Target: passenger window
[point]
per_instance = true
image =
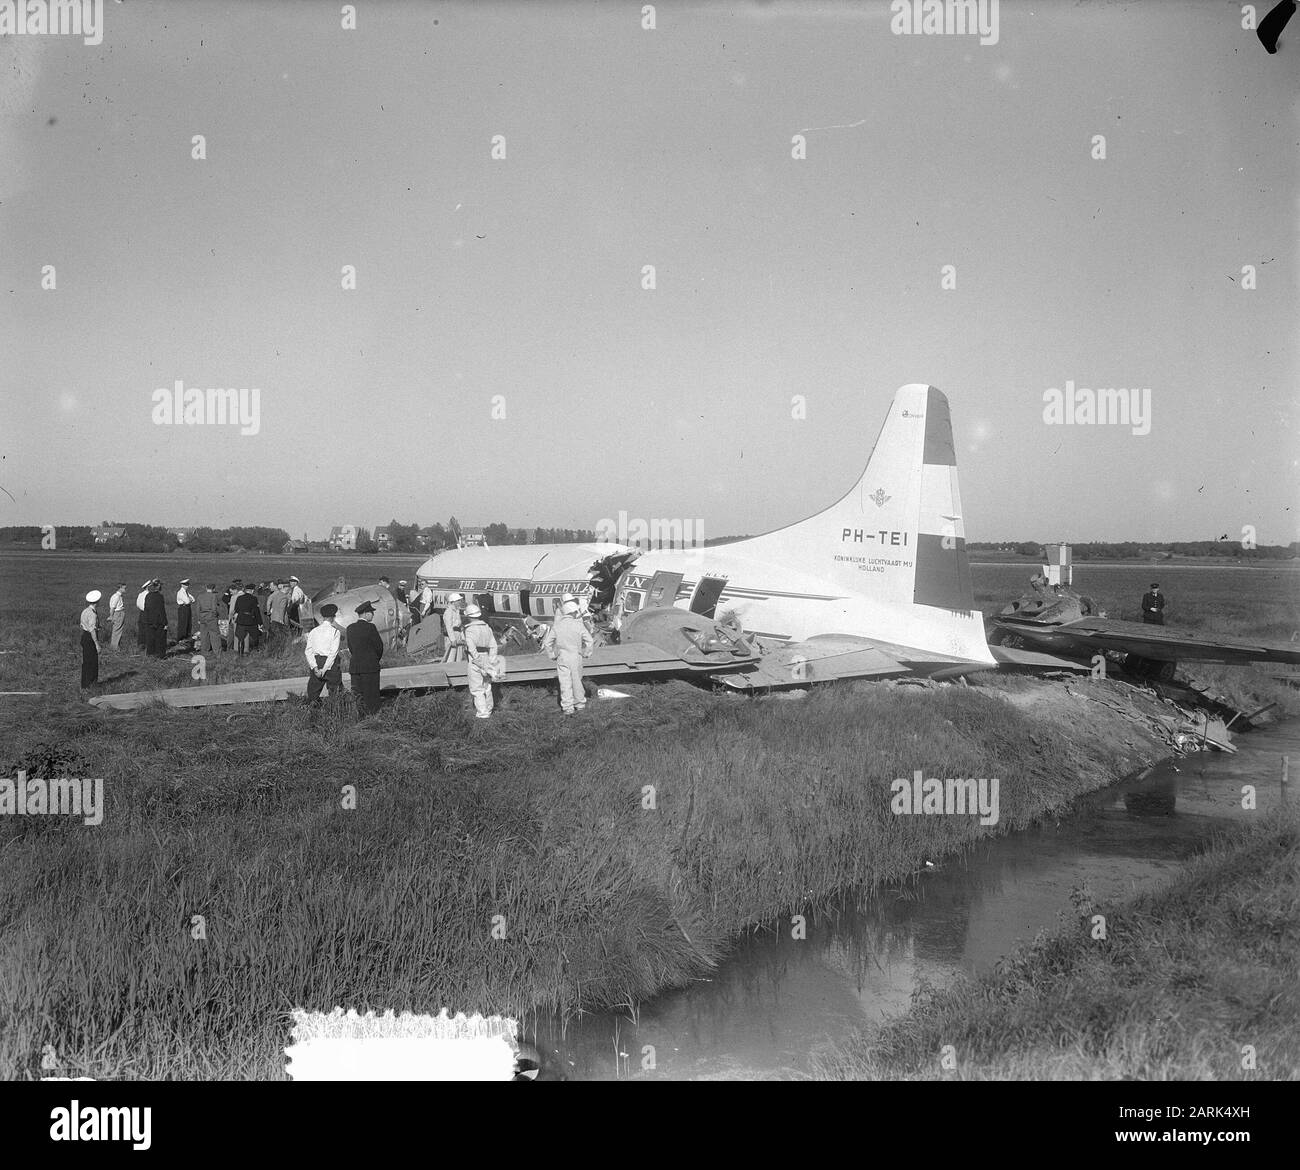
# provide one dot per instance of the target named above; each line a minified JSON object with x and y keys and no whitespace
{"x":632,"y":600}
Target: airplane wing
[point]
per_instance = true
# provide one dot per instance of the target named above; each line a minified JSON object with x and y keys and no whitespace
{"x":684,"y":643}
{"x":831,"y":656}
{"x":1160,"y":643}
{"x":1007,"y":656}
{"x":818,"y":659}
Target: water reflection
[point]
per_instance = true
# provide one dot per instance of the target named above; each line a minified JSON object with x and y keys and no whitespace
{"x":778,"y":1000}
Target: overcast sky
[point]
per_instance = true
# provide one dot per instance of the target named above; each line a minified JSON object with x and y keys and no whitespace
{"x":522,"y":277}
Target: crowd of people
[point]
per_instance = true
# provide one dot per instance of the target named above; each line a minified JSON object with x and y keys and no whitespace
{"x":240,"y":617}
{"x":247,"y":617}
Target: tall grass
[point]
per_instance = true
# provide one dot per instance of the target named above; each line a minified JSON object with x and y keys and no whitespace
{"x":1198,"y":979}
{"x":760,"y":809}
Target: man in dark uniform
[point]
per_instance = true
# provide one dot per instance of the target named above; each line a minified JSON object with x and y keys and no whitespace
{"x":1153,"y":607}
{"x":366,"y":648}
{"x":247,"y":617}
{"x":155,"y":621}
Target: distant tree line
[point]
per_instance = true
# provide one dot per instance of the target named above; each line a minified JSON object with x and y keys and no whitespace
{"x":1131,"y":550}
{"x":209,"y":540}
{"x":407,"y":538}
{"x":150,"y":538}
{"x":553,"y":536}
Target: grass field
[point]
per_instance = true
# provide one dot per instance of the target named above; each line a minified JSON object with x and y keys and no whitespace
{"x":1198,"y":979}
{"x":531,"y":825}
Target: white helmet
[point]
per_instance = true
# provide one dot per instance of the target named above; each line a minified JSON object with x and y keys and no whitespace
{"x":473,"y":611}
{"x":455,"y":597}
{"x":567,"y":598}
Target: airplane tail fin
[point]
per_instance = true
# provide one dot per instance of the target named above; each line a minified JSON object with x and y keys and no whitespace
{"x":910,"y":486}
{"x":897,"y":538}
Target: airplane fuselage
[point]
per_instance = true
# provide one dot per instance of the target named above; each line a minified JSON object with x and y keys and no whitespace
{"x":785,"y":605}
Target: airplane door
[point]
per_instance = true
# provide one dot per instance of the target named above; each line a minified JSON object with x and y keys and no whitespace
{"x":705,"y":599}
{"x":663,"y":588}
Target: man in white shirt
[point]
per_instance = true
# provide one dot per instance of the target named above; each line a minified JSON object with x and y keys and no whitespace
{"x":139,"y":605}
{"x":89,"y":645}
{"x":296,"y":598}
{"x":184,"y":611}
{"x":322,"y":655}
{"x":117,"y":614}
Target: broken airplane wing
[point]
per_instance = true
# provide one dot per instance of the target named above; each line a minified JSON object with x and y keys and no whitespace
{"x":689,"y":645}
{"x":1157,"y":643}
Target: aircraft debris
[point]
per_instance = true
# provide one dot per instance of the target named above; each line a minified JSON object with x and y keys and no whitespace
{"x":1053,"y":617}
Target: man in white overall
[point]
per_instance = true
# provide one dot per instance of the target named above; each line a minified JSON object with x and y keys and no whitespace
{"x":481,"y":646}
{"x":568,"y":642}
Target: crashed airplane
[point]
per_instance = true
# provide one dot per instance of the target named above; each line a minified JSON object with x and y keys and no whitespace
{"x":877,"y":584}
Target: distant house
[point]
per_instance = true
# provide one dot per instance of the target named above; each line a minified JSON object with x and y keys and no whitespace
{"x":426,"y":540}
{"x":472,"y":538}
{"x":343,"y":538}
{"x":104,"y":535}
{"x":290,"y":547}
{"x":181,"y":533}
{"x":383,"y":538}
